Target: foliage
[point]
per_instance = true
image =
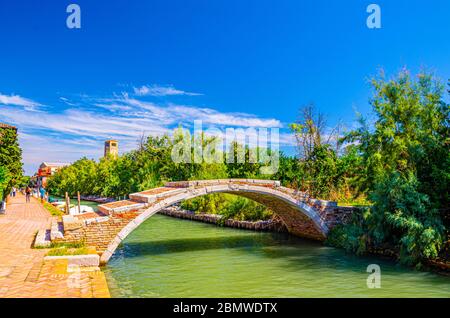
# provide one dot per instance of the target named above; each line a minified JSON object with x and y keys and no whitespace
{"x":76,"y":248}
{"x":241,"y":163}
{"x":290,"y":172}
{"x":243,"y":209}
{"x":150,"y":166}
{"x":54,"y":211}
{"x":23,"y":181}
{"x":353,"y":236}
{"x":5,"y":177}
{"x":322,"y":169}
{"x":405,"y":166}
{"x":10,"y":159}
{"x":230,"y":206}
{"x":74,"y":245}
{"x":147,"y":167}
{"x":64,"y":251}
{"x":404,"y":216}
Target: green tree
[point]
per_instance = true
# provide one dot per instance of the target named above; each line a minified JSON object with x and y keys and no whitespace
{"x":238,"y":163}
{"x":229,"y":206}
{"x":407,"y":164}
{"x":290,"y":172}
{"x":323,"y":169}
{"x":10,"y":156}
{"x":5,"y":177}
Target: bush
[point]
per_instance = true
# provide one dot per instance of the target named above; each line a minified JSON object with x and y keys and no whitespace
{"x":351,"y":237}
{"x":404,"y":217}
{"x":63,"y":251}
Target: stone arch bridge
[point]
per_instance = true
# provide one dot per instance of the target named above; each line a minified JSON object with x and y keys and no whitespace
{"x":302,"y":215}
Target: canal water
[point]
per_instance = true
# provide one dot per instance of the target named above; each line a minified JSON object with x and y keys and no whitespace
{"x":168,"y":257}
{"x":75,"y":202}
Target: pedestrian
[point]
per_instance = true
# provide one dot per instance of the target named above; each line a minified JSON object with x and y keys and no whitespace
{"x":14,"y":190}
{"x":42,"y":193}
{"x":27,"y":194}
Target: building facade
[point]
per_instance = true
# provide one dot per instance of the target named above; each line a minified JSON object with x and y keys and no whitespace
{"x":47,"y":169}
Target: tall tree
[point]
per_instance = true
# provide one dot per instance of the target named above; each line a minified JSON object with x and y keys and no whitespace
{"x":318,"y":150}
{"x":5,"y":177}
{"x":407,"y":157}
{"x":10,"y":156}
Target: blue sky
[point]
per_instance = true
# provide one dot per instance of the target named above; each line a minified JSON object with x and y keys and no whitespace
{"x":148,"y":66}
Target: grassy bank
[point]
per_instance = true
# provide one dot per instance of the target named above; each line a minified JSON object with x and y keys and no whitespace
{"x":52,"y":209}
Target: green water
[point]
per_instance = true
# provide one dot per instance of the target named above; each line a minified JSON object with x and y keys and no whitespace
{"x":167,"y":257}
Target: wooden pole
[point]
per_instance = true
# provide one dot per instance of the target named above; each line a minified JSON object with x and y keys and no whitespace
{"x":67,"y":204}
{"x":79,"y":202}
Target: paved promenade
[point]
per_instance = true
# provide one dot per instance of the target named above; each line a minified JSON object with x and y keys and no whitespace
{"x":23,"y":271}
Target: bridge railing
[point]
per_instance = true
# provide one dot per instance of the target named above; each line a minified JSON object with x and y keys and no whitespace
{"x":197,"y":183}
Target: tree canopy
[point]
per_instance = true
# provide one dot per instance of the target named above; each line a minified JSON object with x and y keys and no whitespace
{"x":405,"y":166}
{"x":10,"y":160}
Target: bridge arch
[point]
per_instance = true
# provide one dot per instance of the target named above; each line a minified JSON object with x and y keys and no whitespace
{"x":301,"y":216}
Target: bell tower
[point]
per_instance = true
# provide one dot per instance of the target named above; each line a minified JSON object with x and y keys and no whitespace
{"x":112,"y":148}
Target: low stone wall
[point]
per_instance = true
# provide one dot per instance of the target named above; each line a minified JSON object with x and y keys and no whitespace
{"x":339,"y":215}
{"x":268,"y":226}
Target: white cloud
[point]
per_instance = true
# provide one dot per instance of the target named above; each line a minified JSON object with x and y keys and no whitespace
{"x":67,"y":101}
{"x":16,"y":100}
{"x":175,"y":114}
{"x":80,"y":131}
{"x":85,"y":123}
{"x":157,"y":90}
{"x":287,"y":139}
{"x":211,"y":116}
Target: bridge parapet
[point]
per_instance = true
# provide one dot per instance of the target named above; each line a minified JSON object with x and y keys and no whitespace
{"x":204,"y":183}
{"x":121,"y":206}
{"x":172,"y":191}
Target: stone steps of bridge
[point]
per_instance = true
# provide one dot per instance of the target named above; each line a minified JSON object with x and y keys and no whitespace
{"x":155,"y":195}
{"x":121,"y":206}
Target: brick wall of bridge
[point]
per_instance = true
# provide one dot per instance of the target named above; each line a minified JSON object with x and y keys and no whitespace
{"x":98,"y":234}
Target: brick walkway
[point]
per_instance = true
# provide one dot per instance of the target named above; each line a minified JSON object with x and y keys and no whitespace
{"x":23,"y":272}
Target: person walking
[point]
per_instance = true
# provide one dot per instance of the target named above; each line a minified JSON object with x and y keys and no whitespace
{"x":13,"y":192}
{"x":27,"y":194}
{"x":42,"y":193}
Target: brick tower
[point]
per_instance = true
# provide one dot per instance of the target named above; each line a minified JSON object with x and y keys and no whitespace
{"x":111,"y":148}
